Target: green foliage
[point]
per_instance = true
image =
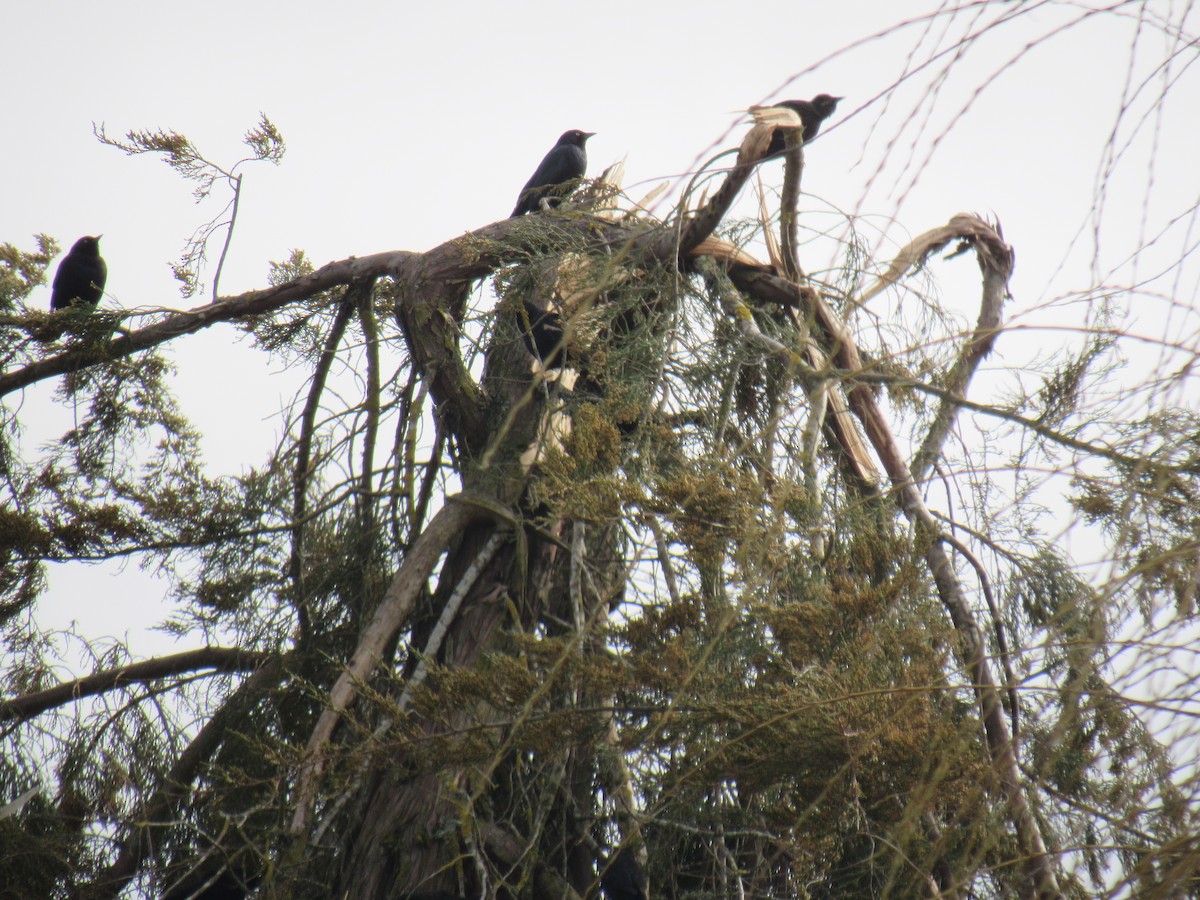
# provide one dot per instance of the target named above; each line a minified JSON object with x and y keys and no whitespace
{"x":21,"y":272}
{"x":181,"y":154}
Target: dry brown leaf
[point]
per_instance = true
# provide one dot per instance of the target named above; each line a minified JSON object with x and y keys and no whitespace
{"x":724,"y":251}
{"x":764,"y":217}
{"x":657,"y":191}
{"x":755,"y":144}
{"x":581,"y":278}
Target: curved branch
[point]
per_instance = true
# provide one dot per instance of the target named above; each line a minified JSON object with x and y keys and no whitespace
{"x":793,"y":168}
{"x":996,"y":261}
{"x":220,"y":659}
{"x":393,"y":611}
{"x":174,"y":786}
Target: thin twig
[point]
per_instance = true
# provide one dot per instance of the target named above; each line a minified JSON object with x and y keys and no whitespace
{"x":1010,"y":679}
{"x":236,"y":181}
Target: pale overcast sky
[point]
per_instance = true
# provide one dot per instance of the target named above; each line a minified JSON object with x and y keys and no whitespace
{"x":408,"y":124}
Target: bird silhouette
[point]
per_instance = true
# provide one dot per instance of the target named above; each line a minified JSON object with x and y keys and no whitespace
{"x":79,"y":280}
{"x":80,"y":277}
{"x":811,"y":112}
{"x":557,"y":173}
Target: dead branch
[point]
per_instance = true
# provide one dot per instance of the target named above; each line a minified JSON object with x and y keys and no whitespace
{"x":789,"y":201}
{"x":912,"y":255}
{"x":227,"y":309}
{"x":706,"y":219}
{"x":996,"y":260}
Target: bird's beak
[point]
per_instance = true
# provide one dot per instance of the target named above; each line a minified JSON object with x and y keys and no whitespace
{"x":588,"y":134}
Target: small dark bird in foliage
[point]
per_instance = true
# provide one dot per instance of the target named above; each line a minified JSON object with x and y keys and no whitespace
{"x":555,"y":176}
{"x":79,"y":281}
{"x":623,"y":877}
{"x":811,"y":112}
{"x":543,"y":335}
{"x":80,"y":277}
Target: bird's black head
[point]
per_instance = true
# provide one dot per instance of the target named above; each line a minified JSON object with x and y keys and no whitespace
{"x":576,"y":137}
{"x":87,"y":246}
{"x":825,"y":104}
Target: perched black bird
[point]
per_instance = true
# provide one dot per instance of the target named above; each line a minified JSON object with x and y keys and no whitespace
{"x":80,"y":277}
{"x":811,"y":112}
{"x":566,"y":162}
{"x":622,"y":877}
{"x":79,"y":281}
{"x":543,"y":335}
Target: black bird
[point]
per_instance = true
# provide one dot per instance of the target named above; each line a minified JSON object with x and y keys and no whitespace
{"x":79,"y":281}
{"x":80,"y":277}
{"x":543,"y":334}
{"x":555,"y":176}
{"x":622,"y":877}
{"x":811,"y":112}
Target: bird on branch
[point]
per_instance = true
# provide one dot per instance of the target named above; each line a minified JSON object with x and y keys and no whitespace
{"x":811,"y":112}
{"x":79,"y":281}
{"x":81,"y":276}
{"x":557,"y":174}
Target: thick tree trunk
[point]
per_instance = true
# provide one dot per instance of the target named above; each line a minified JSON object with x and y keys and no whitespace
{"x":408,"y":829}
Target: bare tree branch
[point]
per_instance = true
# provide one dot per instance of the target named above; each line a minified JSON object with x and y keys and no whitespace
{"x":393,"y":611}
{"x":793,"y":168}
{"x":302,"y":469}
{"x":996,"y":262}
{"x":220,"y":659}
